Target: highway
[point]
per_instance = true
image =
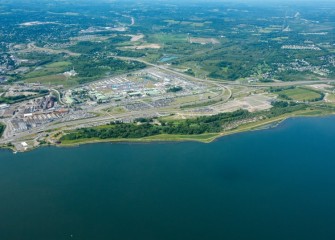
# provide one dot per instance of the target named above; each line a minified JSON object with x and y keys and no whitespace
{"x":224,"y":83}
{"x":104,"y":117}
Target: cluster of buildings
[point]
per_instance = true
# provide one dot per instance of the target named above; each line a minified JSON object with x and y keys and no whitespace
{"x":35,"y":113}
{"x":8,"y":63}
{"x":301,"y":65}
{"x":33,"y":120}
{"x":299,"y":47}
{"x":145,"y":83}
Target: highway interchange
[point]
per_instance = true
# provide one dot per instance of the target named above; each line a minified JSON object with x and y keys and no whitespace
{"x":103,"y":117}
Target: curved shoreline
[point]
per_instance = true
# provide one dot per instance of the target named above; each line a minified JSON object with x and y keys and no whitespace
{"x":204,"y":138}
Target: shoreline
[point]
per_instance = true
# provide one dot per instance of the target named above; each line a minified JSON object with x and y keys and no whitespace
{"x":203,"y":138}
{"x":249,"y":127}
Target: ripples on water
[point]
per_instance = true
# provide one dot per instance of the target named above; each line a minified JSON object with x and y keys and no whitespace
{"x":270,"y":184}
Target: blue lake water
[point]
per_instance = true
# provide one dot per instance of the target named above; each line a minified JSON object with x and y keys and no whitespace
{"x":168,"y":58}
{"x":269,"y":184}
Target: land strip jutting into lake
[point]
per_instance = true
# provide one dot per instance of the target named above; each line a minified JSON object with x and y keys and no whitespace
{"x":205,"y":128}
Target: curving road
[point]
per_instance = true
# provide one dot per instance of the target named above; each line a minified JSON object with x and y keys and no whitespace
{"x":224,"y":83}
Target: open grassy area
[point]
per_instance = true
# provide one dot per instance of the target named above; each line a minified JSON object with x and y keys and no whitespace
{"x":162,"y":137}
{"x":330,"y":97}
{"x":49,"y":69}
{"x":192,"y":24}
{"x":166,"y":137}
{"x":51,"y":74}
{"x":167,"y":38}
{"x":58,"y":65}
{"x":300,"y":94}
{"x":53,"y":80}
{"x":196,"y":99}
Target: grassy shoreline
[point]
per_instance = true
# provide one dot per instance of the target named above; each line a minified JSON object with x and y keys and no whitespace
{"x":203,"y":138}
{"x":208,"y":137}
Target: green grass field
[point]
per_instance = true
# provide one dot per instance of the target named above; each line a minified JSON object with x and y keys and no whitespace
{"x":53,"y":80}
{"x":166,"y":137}
{"x":330,"y":98}
{"x":208,"y":137}
{"x":300,"y":94}
{"x":167,"y":38}
{"x":49,"y":69}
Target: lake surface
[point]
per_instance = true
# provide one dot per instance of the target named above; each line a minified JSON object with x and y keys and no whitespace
{"x":167,"y":58}
{"x":269,"y":184}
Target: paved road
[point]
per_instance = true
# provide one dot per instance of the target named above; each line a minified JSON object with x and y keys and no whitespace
{"x":162,"y":67}
{"x":108,"y":117}
{"x":225,"y":82}
{"x":78,"y":123}
{"x":59,"y":96}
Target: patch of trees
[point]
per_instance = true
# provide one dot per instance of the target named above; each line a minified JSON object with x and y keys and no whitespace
{"x":322,"y":96}
{"x":88,"y":47}
{"x":122,"y":130}
{"x":279,"y":89}
{"x":282,"y":104}
{"x":39,"y":91}
{"x":2,"y":129}
{"x":282,"y":107}
{"x":39,"y":59}
{"x":284,"y":96}
{"x":190,"y":72}
{"x":175,"y":89}
{"x":20,"y":98}
{"x":93,"y":67}
{"x":200,"y":125}
{"x":13,"y":99}
{"x":266,"y":80}
{"x":92,"y":48}
{"x":143,"y":120}
{"x":131,"y":54}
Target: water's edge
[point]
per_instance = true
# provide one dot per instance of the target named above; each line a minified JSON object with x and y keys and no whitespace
{"x":267,"y":126}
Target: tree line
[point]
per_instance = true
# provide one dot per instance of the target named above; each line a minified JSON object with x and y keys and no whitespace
{"x":200,"y":125}
{"x":2,"y":129}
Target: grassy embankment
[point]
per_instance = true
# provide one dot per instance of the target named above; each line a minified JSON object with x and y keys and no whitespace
{"x":209,"y":137}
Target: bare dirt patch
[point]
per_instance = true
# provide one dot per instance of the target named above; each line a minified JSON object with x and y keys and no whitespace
{"x":145,"y":46}
{"x":135,"y":38}
{"x":204,"y":40}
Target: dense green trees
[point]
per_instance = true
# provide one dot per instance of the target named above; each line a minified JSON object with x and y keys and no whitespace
{"x":13,"y":99}
{"x":200,"y":125}
{"x":175,"y":89}
{"x":20,"y":98}
{"x":205,"y":124}
{"x":282,"y":107}
{"x":96,"y":59}
{"x":94,"y":67}
{"x":2,"y":129}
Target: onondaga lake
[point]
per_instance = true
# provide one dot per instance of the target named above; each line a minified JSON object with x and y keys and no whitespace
{"x":269,"y":184}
